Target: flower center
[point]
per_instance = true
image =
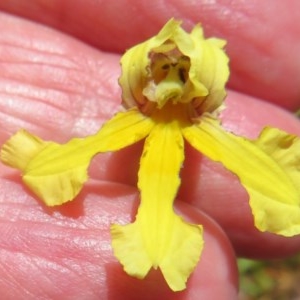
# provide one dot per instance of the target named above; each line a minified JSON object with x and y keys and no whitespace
{"x":168,"y":75}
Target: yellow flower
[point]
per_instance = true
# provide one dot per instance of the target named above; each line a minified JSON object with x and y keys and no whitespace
{"x":173,"y":86}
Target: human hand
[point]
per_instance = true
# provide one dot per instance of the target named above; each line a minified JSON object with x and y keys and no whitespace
{"x":58,"y":87}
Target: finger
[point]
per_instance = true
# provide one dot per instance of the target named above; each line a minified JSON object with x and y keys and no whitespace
{"x":66,"y":253}
{"x":262,"y":64}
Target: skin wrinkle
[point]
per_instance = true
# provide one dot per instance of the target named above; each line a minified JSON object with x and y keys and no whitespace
{"x":24,"y":260}
{"x":81,"y":114}
{"x":19,"y":70}
{"x":42,"y":265}
{"x":61,"y":57}
{"x":26,"y":53}
{"x":74,"y":266}
{"x":58,"y":45}
{"x":9,"y":278}
{"x":15,"y":123}
{"x":50,"y":110}
{"x":17,"y":115}
{"x":48,"y":271}
{"x":42,"y":66}
{"x":12,"y":283}
{"x":57,"y":78}
{"x":32,"y":92}
{"x":30,"y":219}
{"x":10,"y":101}
{"x":70,"y":215}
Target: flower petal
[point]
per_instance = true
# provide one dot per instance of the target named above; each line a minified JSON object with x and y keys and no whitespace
{"x":209,"y":67}
{"x":57,"y":172}
{"x":20,"y":149}
{"x":284,"y":148}
{"x":274,"y":196}
{"x":134,"y":65}
{"x":124,"y":129}
{"x":158,"y":237}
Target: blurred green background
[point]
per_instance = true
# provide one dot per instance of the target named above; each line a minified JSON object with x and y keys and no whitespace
{"x":270,"y":280}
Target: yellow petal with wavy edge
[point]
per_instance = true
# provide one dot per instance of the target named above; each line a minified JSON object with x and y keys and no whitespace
{"x":208,"y":66}
{"x":274,"y":198}
{"x":159,"y":238}
{"x":20,"y":149}
{"x":57,"y":172}
{"x":284,"y":148}
{"x":135,"y":63}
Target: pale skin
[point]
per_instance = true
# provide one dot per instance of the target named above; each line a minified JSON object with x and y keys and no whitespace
{"x":59,"y":87}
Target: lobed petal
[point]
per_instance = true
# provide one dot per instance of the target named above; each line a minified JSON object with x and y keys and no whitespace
{"x":267,"y":173}
{"x":159,"y":238}
{"x":284,"y":149}
{"x":209,"y":67}
{"x":135,"y":63}
{"x":20,"y":149}
{"x":55,"y":172}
